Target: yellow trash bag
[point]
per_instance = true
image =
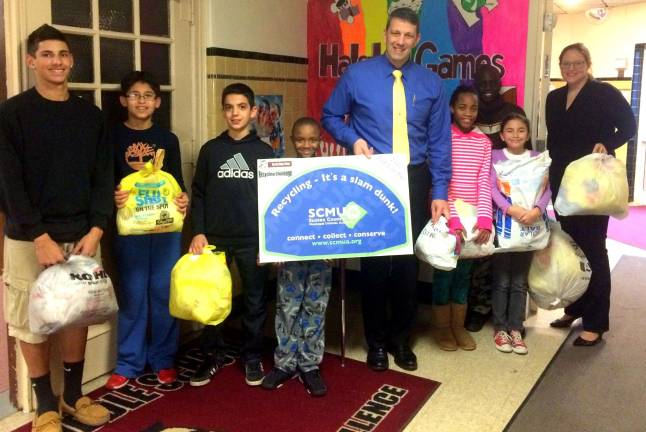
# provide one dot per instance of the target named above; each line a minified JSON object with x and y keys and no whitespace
{"x":200,"y":287}
{"x":596,"y":184}
{"x":150,"y":207}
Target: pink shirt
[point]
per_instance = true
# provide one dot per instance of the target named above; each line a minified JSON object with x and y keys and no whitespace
{"x":470,"y":181}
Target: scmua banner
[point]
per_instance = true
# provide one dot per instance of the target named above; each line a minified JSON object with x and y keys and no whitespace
{"x":333,"y":207}
{"x":456,"y":36}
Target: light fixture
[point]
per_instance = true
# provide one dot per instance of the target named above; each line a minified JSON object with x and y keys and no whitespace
{"x":597,"y":15}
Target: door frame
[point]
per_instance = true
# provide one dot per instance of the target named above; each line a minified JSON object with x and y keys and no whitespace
{"x":188,"y":121}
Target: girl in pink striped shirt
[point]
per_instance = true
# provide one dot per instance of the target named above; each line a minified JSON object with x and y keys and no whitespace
{"x":471,"y":164}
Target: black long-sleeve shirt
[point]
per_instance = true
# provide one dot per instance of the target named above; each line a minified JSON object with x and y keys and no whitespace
{"x":134,"y":147}
{"x":598,"y":114}
{"x":224,"y":205}
{"x":56,"y":168}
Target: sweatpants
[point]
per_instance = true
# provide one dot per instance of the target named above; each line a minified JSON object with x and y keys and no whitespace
{"x":302,"y":296}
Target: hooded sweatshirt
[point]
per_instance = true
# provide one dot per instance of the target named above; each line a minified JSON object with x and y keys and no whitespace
{"x":225,"y":189}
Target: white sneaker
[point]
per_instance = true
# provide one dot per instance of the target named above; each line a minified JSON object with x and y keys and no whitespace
{"x":502,"y":341}
{"x":517,"y":344}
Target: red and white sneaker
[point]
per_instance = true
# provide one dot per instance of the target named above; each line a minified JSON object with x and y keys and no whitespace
{"x":502,"y":341}
{"x":116,"y":381}
{"x":517,"y":344}
{"x":167,"y":376}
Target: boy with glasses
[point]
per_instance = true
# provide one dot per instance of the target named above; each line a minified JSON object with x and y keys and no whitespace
{"x":148,"y":334}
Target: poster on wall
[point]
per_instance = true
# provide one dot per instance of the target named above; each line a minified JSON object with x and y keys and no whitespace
{"x":269,"y":122}
{"x":333,"y":207}
{"x":455,"y":37}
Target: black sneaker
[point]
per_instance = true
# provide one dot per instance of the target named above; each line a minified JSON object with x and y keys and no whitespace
{"x":253,"y":373}
{"x":276,"y":378}
{"x":313,"y":382}
{"x":205,"y":372}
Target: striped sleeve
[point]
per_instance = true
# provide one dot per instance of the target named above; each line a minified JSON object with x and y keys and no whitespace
{"x":485,"y":211}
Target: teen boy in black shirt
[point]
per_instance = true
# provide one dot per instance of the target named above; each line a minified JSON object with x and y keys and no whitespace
{"x":225,"y":214}
{"x":56,"y":179}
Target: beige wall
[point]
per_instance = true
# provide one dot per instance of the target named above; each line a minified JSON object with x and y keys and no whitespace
{"x":265,"y":78}
{"x":258,"y":26}
{"x":613,"y":38}
{"x":276,"y":27}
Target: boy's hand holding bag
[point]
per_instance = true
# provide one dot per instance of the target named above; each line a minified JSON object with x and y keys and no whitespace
{"x":150,"y":207}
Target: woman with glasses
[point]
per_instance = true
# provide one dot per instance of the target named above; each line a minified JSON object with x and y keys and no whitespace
{"x":585,"y":116}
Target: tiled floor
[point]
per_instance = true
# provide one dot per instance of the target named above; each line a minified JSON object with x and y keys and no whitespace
{"x":481,"y":390}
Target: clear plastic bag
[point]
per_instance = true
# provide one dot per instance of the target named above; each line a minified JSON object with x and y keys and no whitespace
{"x":469,"y":219}
{"x":76,"y":293}
{"x":596,"y":184}
{"x":559,"y":274}
{"x":522,"y":182}
{"x":436,"y":245}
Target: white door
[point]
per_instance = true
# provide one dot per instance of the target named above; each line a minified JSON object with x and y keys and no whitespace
{"x":640,"y":155}
{"x":108,"y":39}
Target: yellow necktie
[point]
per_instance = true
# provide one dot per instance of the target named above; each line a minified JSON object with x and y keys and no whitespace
{"x":400,"y":127}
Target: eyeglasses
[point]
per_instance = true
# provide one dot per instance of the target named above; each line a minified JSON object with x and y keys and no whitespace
{"x":577,"y":64}
{"x":312,"y":141}
{"x":147,"y":97}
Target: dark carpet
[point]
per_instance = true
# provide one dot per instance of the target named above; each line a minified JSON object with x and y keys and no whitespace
{"x":600,"y":388}
{"x":357,"y":399}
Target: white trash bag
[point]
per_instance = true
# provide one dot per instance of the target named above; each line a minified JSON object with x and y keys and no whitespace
{"x":596,"y":184}
{"x":560,"y":273}
{"x":469,"y":218}
{"x":436,"y":245}
{"x":522,"y":182}
{"x":75,"y":293}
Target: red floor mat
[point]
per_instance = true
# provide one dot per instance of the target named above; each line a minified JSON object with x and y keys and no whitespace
{"x":357,"y":400}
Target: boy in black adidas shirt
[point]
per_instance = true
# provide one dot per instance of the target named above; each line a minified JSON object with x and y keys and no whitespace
{"x":224,"y":213}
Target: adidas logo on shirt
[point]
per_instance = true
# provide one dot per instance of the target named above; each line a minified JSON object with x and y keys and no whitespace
{"x":236,"y":167}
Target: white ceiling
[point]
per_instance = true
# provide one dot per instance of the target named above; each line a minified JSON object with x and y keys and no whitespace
{"x":577,"y":6}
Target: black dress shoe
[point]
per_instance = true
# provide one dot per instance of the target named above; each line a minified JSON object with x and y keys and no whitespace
{"x":587,"y":343}
{"x":563,"y":322}
{"x":475,"y":321}
{"x":404,"y":357}
{"x":377,"y":359}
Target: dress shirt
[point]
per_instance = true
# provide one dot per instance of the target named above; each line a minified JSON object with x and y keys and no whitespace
{"x":365,"y":93}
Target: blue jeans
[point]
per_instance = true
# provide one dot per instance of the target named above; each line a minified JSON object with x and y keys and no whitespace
{"x":147,"y":334}
{"x":509,"y":289}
